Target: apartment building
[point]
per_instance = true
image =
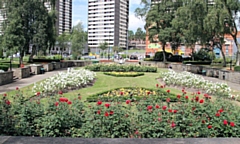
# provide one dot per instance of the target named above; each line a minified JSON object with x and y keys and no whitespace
{"x":107,"y":22}
{"x":64,"y":15}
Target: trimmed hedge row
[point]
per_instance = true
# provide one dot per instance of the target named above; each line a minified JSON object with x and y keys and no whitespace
{"x":124,"y":74}
{"x":197,"y":62}
{"x":4,"y":67}
{"x":120,"y":68}
{"x":14,"y":65}
{"x":237,"y":68}
{"x":163,"y":95}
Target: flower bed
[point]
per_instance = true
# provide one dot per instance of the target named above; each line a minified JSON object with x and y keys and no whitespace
{"x":124,"y":74}
{"x":133,"y":93}
{"x":65,"y":81}
{"x":120,"y":68}
{"x":196,"y":117}
{"x":187,"y":79}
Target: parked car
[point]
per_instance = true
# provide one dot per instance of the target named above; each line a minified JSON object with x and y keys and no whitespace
{"x":133,"y":57}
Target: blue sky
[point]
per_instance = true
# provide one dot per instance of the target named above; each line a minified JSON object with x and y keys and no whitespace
{"x":80,"y":9}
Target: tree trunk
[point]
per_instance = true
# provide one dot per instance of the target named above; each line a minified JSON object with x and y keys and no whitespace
{"x":164,"y":54}
{"x":223,"y":55}
{"x":192,"y":52}
{"x":21,"y":57}
{"x":32,"y":53}
{"x":238,"y":58}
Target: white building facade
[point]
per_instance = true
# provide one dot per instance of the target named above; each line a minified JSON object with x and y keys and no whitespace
{"x":107,"y":22}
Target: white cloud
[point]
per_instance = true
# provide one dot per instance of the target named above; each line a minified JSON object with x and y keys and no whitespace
{"x":135,"y":22}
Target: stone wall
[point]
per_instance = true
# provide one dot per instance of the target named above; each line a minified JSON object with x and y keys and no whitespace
{"x":48,"y":67}
{"x":6,"y":77}
{"x":22,"y":72}
{"x":36,"y":69}
{"x":56,"y":65}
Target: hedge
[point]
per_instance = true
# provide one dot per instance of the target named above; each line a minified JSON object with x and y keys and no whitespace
{"x":4,"y":67}
{"x":197,"y":62}
{"x":46,"y":60}
{"x":124,"y":74}
{"x":14,"y":65}
{"x":237,"y":68}
{"x":120,"y":68}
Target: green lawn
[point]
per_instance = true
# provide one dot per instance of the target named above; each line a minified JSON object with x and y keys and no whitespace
{"x":134,"y":51}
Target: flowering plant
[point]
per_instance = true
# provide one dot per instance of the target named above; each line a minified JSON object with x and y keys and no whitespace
{"x":64,"y":80}
{"x":187,"y":79}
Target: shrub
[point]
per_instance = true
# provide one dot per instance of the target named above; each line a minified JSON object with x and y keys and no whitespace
{"x":197,"y":62}
{"x":159,"y":56}
{"x":148,"y":59}
{"x":124,"y":74}
{"x":4,"y":67}
{"x":120,"y":68}
{"x":237,"y":68}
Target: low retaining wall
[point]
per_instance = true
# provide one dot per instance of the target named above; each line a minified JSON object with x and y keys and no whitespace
{"x":6,"y":77}
{"x":48,"y":67}
{"x":81,"y":63}
{"x":21,"y":73}
{"x":56,"y":65}
{"x":210,"y":72}
{"x":36,"y":69}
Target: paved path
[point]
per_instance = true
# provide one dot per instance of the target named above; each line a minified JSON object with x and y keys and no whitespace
{"x":27,"y":81}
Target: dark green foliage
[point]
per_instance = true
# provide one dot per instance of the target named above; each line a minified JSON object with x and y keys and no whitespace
{"x":197,"y":62}
{"x":159,"y":56}
{"x":4,"y":67}
{"x":120,"y":68}
{"x":237,"y":68}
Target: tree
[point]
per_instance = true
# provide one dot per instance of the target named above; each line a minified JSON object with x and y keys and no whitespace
{"x":158,"y":22}
{"x":130,"y":35}
{"x":63,"y":41}
{"x":103,"y":46}
{"x":78,"y":40}
{"x":117,"y":49}
{"x":140,"y":34}
{"x":189,"y":23}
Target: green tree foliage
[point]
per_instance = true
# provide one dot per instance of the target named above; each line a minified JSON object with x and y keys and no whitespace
{"x":130,"y":35}
{"x":140,"y":34}
{"x":63,"y":41}
{"x":28,"y":22}
{"x":78,"y":40}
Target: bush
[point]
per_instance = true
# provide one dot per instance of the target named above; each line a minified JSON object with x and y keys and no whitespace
{"x":159,"y":56}
{"x":197,"y":62}
{"x":14,"y":65}
{"x":148,"y":59}
{"x":124,"y":74}
{"x":46,"y":60}
{"x":120,"y":68}
{"x":150,"y":117}
{"x":237,"y":68}
{"x":175,"y":58}
{"x":4,"y":67}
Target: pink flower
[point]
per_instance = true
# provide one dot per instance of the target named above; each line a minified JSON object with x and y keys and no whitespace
{"x":63,"y":99}
{"x":173,"y":125}
{"x":99,"y":102}
{"x":209,"y":126}
{"x":157,"y":106}
{"x":199,"y":92}
{"x":38,"y":93}
{"x":128,"y":101}
{"x":225,"y":122}
{"x":175,"y":111}
{"x":111,"y":112}
{"x":221,"y":110}
{"x":168,"y":100}
{"x":107,"y":105}
{"x":98,"y":112}
{"x":121,"y":93}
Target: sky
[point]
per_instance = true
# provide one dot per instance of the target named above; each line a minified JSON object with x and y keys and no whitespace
{"x":80,"y":10}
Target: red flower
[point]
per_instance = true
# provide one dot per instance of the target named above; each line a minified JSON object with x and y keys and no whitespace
{"x":173,"y":125}
{"x":232,"y":124}
{"x":217,"y":114}
{"x":56,"y":103}
{"x":193,"y":108}
{"x":162,"y":86}
{"x":69,"y":102}
{"x":170,"y":110}
{"x":175,"y":111}
{"x":178,"y":96}
{"x":60,"y":92}
{"x":209,"y":126}
{"x":128,"y":101}
{"x":199,"y":92}
{"x":121,"y":93}
{"x":168,"y":100}
{"x":17,"y":88}
{"x":168,"y":91}
{"x":201,"y":101}
{"x":98,"y":112}
{"x":203,"y":121}
{"x":183,"y":90}
{"x":106,"y":114}
{"x":5,"y":95}
{"x":99,"y":102}
{"x":156,"y":85}
{"x":197,"y":98}
{"x":148,"y":93}
{"x":111,"y":112}
{"x":164,"y":107}
{"x":107,"y":105}
{"x":149,"y":107}
{"x":186,"y":97}
{"x":63,"y":99}
{"x":136,"y":132}
{"x":38,"y":93}
{"x":225,"y":122}
{"x":205,"y":95}
{"x":221,"y":110}
{"x":157,"y":106}
{"x":8,"y":102}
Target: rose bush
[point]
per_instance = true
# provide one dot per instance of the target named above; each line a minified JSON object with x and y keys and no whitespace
{"x":64,"y":80}
{"x":187,"y":79}
{"x":190,"y":116}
